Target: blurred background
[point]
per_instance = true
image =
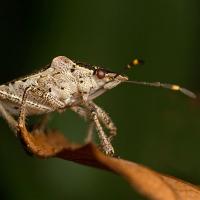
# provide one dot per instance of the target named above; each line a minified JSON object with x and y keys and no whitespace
{"x":156,"y":127}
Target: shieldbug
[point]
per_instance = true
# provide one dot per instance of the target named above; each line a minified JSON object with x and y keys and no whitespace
{"x":66,"y":84}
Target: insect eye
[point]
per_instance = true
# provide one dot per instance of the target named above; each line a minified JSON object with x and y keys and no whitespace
{"x":100,"y":73}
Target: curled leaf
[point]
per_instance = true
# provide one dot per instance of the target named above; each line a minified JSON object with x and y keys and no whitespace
{"x":149,"y":183}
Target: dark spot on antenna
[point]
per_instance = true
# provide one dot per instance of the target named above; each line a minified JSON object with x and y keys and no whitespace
{"x":62,"y":88}
{"x":134,"y":63}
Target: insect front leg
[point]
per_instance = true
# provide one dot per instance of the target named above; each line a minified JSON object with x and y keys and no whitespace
{"x":106,"y":120}
{"x":105,"y":143}
{"x":9,"y":118}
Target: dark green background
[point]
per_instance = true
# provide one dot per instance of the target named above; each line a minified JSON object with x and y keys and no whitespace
{"x":158,"y":128}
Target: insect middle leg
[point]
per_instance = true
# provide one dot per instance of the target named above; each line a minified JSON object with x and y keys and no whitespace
{"x":85,"y":114}
{"x":22,"y":113}
{"x":54,"y":104}
{"x":41,"y":125}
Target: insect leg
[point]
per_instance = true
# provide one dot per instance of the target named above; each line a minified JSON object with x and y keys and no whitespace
{"x":106,"y":120}
{"x":81,"y":111}
{"x":9,"y":118}
{"x":85,"y":114}
{"x":90,"y":132}
{"x":105,"y":143}
{"x":22,"y":113}
{"x":53,"y":103}
{"x":42,"y":124}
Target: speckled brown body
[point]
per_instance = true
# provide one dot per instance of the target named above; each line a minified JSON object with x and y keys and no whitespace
{"x":67,"y":84}
{"x":64,"y":84}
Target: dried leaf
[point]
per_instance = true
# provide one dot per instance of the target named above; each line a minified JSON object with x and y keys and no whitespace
{"x":149,"y":183}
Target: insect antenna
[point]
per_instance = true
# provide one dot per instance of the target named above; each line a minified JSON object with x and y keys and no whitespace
{"x":165,"y":85}
{"x":174,"y":87}
{"x":135,"y":62}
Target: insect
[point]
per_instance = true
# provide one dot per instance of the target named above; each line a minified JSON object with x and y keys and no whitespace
{"x":66,"y":84}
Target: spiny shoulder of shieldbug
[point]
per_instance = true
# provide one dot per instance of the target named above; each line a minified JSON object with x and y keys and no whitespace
{"x":69,"y":84}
